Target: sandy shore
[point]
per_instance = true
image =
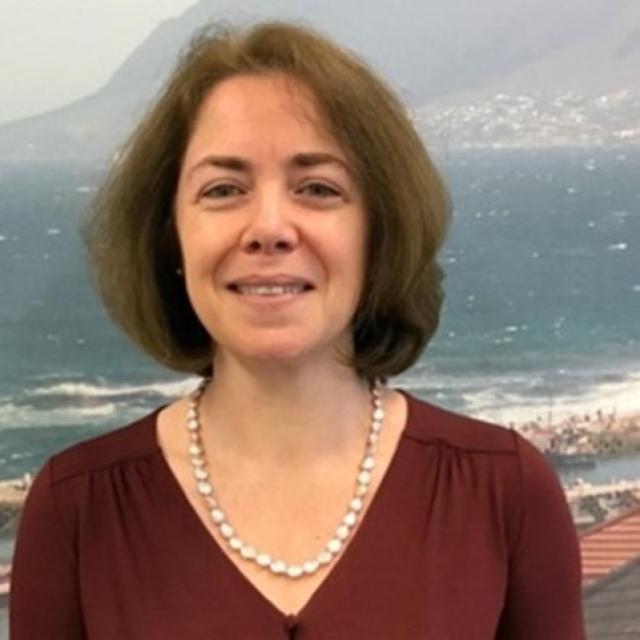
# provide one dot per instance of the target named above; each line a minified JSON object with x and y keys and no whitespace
{"x":10,"y":495}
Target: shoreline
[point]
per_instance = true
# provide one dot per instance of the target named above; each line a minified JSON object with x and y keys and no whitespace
{"x":574,"y":434}
{"x":13,"y":491}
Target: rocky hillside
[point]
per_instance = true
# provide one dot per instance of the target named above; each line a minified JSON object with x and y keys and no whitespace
{"x":438,"y":58}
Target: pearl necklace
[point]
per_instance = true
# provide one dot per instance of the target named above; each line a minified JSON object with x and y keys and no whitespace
{"x":262,"y":559}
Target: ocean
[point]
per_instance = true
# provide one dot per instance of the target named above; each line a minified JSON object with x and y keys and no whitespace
{"x":541,"y":316}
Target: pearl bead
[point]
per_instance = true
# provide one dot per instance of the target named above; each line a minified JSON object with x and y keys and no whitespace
{"x":294,"y":571}
{"x":350,"y":519}
{"x":378,"y":414}
{"x":205,"y":488}
{"x":226,"y":530}
{"x":235,"y":544}
{"x":198,"y":461}
{"x":248,"y":553}
{"x":368,"y":463}
{"x":334,"y":545}
{"x":342,"y":532}
{"x":277,"y":566}
{"x":364,"y":477}
{"x":311,"y":566}
{"x":195,"y":449}
{"x":217,"y":515}
{"x":200,"y":473}
{"x":361,"y":490}
{"x":324,"y":557}
{"x":356,"y":504}
{"x":263,"y":559}
{"x":192,"y":424}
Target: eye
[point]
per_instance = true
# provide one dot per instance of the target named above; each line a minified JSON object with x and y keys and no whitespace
{"x":320,"y":190}
{"x":224,"y":190}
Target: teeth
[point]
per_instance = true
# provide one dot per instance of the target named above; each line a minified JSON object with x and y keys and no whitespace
{"x":264,"y":290}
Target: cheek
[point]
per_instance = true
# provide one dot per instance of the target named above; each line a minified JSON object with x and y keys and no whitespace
{"x":350,"y":258}
{"x":194,"y":241}
{"x":355,"y":251}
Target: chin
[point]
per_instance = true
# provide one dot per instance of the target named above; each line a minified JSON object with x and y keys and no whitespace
{"x":276,"y":350}
{"x":282,"y":347}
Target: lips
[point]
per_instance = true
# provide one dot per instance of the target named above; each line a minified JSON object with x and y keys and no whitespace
{"x":262,"y":294}
{"x":279,"y":280}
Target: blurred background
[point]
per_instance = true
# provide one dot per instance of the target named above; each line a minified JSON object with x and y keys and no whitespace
{"x":532,"y":112}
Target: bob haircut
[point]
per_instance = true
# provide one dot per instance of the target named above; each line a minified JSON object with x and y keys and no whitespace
{"x":131,"y":236}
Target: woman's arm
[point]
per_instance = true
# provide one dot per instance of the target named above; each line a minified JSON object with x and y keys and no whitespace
{"x":544,"y":594}
{"x":44,"y":599}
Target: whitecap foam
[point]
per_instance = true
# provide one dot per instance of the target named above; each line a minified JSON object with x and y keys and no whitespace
{"x":89,"y":390}
{"x":24,"y":416}
{"x":72,"y":402}
{"x":505,"y":399}
{"x":622,"y":397}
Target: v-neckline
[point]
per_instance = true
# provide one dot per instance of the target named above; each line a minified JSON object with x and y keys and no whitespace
{"x":367,"y":522}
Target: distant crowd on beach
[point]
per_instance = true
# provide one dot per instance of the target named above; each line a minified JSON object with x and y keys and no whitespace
{"x":600,"y":432}
{"x":23,"y":483}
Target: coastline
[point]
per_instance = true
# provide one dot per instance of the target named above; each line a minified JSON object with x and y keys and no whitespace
{"x":14,"y":491}
{"x":11,"y":494}
{"x":606,"y":436}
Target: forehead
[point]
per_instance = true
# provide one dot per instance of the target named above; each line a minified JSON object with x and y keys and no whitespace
{"x":274,"y":107}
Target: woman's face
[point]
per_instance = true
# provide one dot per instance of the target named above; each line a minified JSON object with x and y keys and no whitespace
{"x":266,"y":195}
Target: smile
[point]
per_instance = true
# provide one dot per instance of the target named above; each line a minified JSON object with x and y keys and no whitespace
{"x":266,"y":290}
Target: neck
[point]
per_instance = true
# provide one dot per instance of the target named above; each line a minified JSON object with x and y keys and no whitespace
{"x":290,"y":418}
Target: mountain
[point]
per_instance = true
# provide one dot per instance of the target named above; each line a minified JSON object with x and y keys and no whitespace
{"x":431,"y":53}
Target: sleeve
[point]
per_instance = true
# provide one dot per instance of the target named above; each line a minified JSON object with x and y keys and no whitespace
{"x":44,"y":597}
{"x":544,"y":594}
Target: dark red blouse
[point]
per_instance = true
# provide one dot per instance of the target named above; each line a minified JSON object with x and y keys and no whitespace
{"x":468,"y":537}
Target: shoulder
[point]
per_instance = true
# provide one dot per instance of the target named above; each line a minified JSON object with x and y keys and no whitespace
{"x":526,"y":465}
{"x":129,"y":442}
{"x":62,"y":486}
{"x":501,"y":460}
{"x":429,"y":423}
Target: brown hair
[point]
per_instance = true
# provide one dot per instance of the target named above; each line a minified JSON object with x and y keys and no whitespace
{"x":131,"y":238}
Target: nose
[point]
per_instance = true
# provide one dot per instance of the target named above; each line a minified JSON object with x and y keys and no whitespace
{"x":270,"y":230}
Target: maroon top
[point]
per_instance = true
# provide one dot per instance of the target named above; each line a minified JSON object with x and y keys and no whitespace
{"x":468,"y":537}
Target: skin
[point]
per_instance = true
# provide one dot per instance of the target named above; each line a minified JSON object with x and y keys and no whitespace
{"x":272,"y":216}
{"x":283,"y":421}
{"x":275,"y":365}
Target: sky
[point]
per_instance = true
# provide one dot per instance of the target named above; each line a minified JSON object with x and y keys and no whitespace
{"x":52,"y":53}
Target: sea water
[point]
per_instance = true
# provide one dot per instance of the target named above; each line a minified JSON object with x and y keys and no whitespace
{"x":541,"y":316}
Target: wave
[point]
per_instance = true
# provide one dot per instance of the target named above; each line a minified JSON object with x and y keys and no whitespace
{"x":75,"y":403}
{"x":494,"y":396}
{"x":521,"y":398}
{"x":89,"y":390}
{"x":14,"y":415}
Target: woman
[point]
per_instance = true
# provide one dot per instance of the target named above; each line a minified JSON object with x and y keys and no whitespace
{"x":273,"y":225}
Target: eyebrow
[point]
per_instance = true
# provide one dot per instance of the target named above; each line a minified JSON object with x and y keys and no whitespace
{"x":298,"y":161}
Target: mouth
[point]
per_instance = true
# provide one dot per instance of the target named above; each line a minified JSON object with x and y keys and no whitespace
{"x":270,"y":291}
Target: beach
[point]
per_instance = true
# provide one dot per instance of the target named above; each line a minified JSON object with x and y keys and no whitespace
{"x":11,"y":494}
